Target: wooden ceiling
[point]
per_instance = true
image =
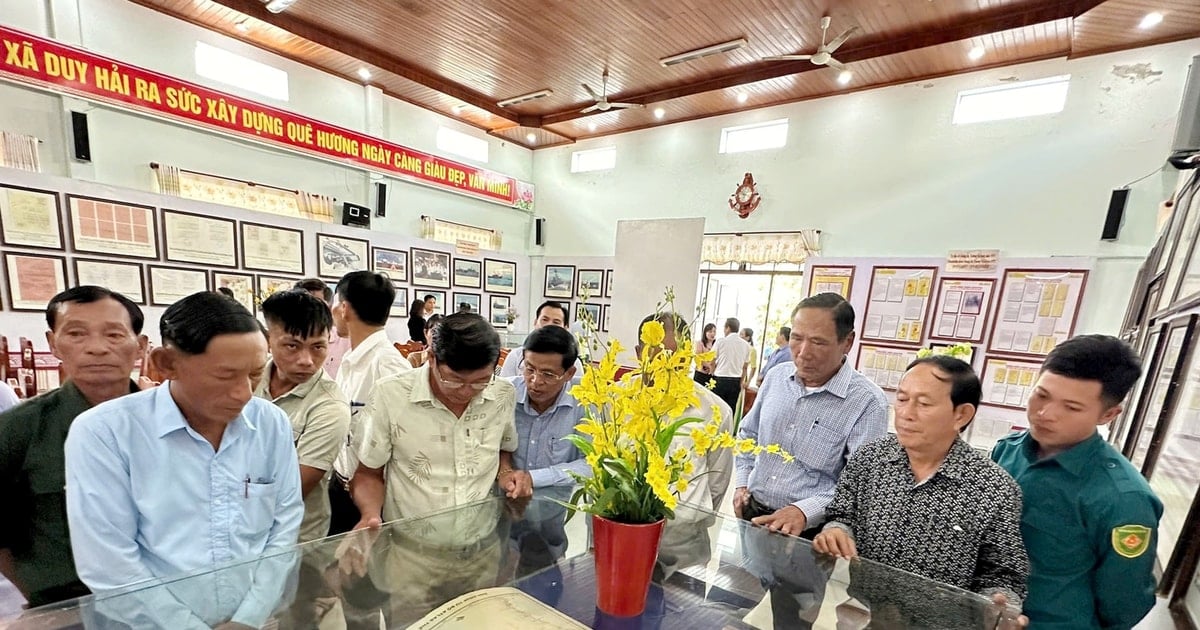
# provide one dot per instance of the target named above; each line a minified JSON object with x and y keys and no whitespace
{"x":459,"y":57}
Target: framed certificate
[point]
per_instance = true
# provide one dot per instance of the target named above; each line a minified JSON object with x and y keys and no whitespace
{"x":171,"y":284}
{"x":192,"y":238}
{"x":30,"y":218}
{"x":268,"y":285}
{"x":338,"y":255}
{"x":33,"y":280}
{"x":113,"y":228}
{"x":123,"y":277}
{"x":267,"y":248}
{"x":242,"y":285}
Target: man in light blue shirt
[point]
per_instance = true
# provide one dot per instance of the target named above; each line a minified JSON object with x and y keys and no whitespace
{"x":186,"y":476}
{"x":546,"y":413}
{"x":782,"y":353}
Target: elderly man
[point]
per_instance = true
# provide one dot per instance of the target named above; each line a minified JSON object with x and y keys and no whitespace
{"x":924,"y":501}
{"x":96,"y":333}
{"x":549,"y":313}
{"x":1090,"y":520}
{"x":189,"y":475}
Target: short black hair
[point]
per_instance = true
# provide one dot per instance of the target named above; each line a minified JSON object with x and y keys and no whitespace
{"x":429,"y":296}
{"x":965,"y":388}
{"x":191,"y":323}
{"x":315,"y":284}
{"x":1101,"y":358}
{"x":785,"y":331}
{"x":670,"y":321}
{"x":88,"y":293}
{"x":227,"y":292}
{"x":554,"y":304}
{"x":733,"y":324}
{"x":749,"y":332}
{"x":417,"y":308}
{"x":465,"y":342}
{"x":298,"y":312}
{"x":369,"y":293}
{"x":433,"y":320}
{"x":553,"y":340}
{"x":838,"y":307}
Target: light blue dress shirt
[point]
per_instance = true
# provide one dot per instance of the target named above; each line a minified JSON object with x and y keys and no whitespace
{"x":148,"y":498}
{"x":541,"y":449}
{"x":820,"y":427}
{"x":780,"y":355}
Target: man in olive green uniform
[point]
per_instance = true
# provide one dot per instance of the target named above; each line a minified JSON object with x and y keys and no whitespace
{"x":1089,"y":518}
{"x":96,"y":333}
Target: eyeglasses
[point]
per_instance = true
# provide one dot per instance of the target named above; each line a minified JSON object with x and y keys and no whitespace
{"x":437,"y":371}
{"x":532,"y":373}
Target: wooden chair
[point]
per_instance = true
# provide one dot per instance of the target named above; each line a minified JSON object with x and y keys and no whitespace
{"x":406,"y":349}
{"x":27,"y":374}
{"x":503,"y":355}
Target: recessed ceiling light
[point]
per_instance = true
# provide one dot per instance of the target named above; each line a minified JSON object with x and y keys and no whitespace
{"x":279,"y":6}
{"x":659,"y":113}
{"x":1151,"y":20}
{"x":532,"y":137}
{"x":364,"y":74}
{"x":845,"y":77}
{"x":742,"y":97}
{"x":242,"y":26}
{"x":591,"y":126}
{"x":976,"y":53}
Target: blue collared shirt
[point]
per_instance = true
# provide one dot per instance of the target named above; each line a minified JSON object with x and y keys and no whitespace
{"x":820,"y":427}
{"x":148,"y":498}
{"x":781,"y":355}
{"x":541,"y":449}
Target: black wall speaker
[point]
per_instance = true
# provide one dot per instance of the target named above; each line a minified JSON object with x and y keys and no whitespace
{"x":380,"y":199}
{"x":539,"y":231}
{"x":1116,"y":213}
{"x":79,"y":135}
{"x":356,"y":215}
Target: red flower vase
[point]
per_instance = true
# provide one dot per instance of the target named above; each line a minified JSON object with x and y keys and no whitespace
{"x":625,"y":556}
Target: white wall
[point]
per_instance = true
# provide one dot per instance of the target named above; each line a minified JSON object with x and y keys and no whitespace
{"x":885,"y":171}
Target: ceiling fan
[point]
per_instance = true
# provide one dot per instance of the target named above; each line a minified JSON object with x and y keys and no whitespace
{"x":602,"y":104}
{"x":824,"y":54}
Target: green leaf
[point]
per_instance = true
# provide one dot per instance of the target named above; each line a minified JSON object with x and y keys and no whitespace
{"x":582,"y":443}
{"x":671,"y":430}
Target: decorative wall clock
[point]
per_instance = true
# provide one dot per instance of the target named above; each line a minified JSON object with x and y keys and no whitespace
{"x":745,"y":199}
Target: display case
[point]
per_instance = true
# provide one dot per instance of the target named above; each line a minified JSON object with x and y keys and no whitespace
{"x":712,"y":571}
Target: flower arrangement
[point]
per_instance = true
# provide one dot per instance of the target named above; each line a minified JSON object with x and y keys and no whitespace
{"x":962,"y":351}
{"x":630,"y":428}
{"x":511,"y":315}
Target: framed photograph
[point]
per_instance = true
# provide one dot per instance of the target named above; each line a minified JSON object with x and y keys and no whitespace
{"x":267,"y":248}
{"x":113,"y":228}
{"x":498,"y":310}
{"x":192,"y":238}
{"x":608,"y":281}
{"x":268,"y":285}
{"x":122,"y":277}
{"x":604,"y":318}
{"x":501,"y":276}
{"x":242,"y":285}
{"x":30,"y":218}
{"x":588,"y":312}
{"x":400,"y":304}
{"x":338,"y":255}
{"x":560,"y":281}
{"x":430,"y":268}
{"x":467,"y":303}
{"x":591,"y":284}
{"x":393,"y":262}
{"x":468,"y":273}
{"x":32,"y":280}
{"x":438,"y":296}
{"x":171,"y":284}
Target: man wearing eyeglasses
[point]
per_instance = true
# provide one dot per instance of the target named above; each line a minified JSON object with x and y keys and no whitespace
{"x":546,"y":413}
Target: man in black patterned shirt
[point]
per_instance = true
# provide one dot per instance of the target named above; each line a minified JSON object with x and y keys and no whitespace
{"x":924,"y":501}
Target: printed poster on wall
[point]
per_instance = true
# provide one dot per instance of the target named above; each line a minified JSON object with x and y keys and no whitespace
{"x":113,"y":228}
{"x":29,"y":218}
{"x":961,"y":310}
{"x":898,"y":303}
{"x":1037,"y":310}
{"x":837,"y":279}
{"x":1008,"y":382}
{"x":884,"y":365}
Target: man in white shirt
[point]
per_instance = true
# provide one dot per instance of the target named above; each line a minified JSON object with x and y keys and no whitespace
{"x":361,"y":305}
{"x":550,"y":313}
{"x":733,"y":354}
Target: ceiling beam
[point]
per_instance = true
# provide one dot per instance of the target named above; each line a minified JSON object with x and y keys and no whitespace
{"x":983,"y":23}
{"x":367,"y":54}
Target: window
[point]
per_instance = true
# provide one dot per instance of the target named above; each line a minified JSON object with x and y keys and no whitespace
{"x":1018,"y":100}
{"x":462,"y":144}
{"x":241,"y":72}
{"x":768,"y":135}
{"x":594,"y":160}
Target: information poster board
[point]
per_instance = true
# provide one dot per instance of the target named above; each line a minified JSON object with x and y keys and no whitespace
{"x":837,"y":279}
{"x":961,"y":310}
{"x":1037,"y":310}
{"x":898,"y":303}
{"x":884,"y":365}
{"x":1008,"y":382}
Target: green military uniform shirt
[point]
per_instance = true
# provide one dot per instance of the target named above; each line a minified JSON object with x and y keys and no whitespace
{"x":33,"y":479}
{"x":1090,"y":525}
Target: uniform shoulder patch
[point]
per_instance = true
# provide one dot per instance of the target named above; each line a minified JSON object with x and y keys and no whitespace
{"x":1130,"y":541}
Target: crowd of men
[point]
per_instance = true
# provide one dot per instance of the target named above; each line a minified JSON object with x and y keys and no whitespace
{"x":249,"y":446}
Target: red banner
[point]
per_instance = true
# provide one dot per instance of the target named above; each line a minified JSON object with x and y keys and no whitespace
{"x":46,"y":63}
